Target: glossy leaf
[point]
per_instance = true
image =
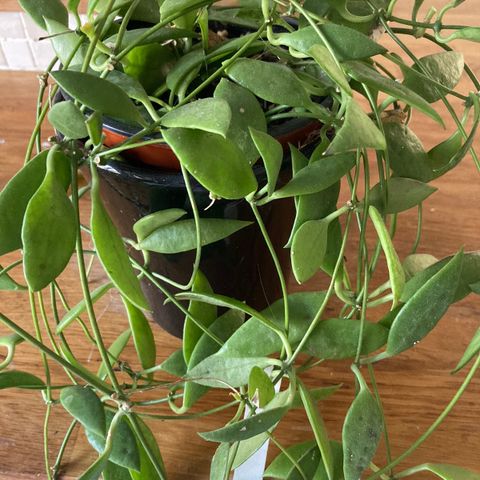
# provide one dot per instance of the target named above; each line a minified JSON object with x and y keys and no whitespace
{"x":83,"y":405}
{"x":407,"y":155}
{"x":357,"y":131}
{"x":111,"y":250}
{"x":273,"y":82}
{"x":247,"y":428}
{"x":14,"y":199}
{"x":223,"y":327}
{"x":260,"y":387}
{"x":124,"y":448}
{"x":271,"y":152}
{"x":402,"y":194}
{"x":361,"y":432}
{"x":328,"y":64}
{"x":203,"y":312}
{"x":425,"y":308}
{"x":172,"y":7}
{"x":67,"y":118}
{"x":302,"y":307}
{"x":395,"y":270}
{"x":41,"y":9}
{"x":94,"y":125}
{"x":317,"y":176}
{"x":130,"y":85}
{"x":347,"y":43}
{"x":185,"y":70}
{"x":114,"y":352}
{"x":80,"y":307}
{"x":115,"y":472}
{"x":337,"y":339}
{"x":65,"y":43}
{"x":143,"y":338}
{"x":216,"y":162}
{"x":18,"y":379}
{"x":98,"y":94}
{"x":370,"y":77}
{"x":147,"y":469}
{"x":449,"y":472}
{"x":318,"y":427}
{"x":444,"y":68}
{"x":181,"y":236}
{"x":246,"y":113}
{"x":208,"y":114}
{"x":147,"y":225}
{"x":308,"y":249}
{"x":223,"y":372}
{"x":49,"y":230}
{"x":440,"y":155}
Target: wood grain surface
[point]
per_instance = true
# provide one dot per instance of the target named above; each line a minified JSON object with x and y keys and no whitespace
{"x":415,"y":386}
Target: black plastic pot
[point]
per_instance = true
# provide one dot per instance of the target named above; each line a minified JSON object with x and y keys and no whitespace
{"x":238,"y":266}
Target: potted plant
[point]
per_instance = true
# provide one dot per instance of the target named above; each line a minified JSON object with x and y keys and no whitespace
{"x":206,"y":91}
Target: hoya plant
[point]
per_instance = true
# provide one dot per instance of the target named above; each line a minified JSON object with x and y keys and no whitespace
{"x":207,"y":85}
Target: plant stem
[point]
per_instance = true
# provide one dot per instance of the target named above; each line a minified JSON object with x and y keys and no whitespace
{"x":63,"y":446}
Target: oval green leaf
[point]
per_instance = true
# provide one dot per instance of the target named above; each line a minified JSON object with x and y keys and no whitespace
{"x":114,"y":352}
{"x":67,"y":118}
{"x":41,"y":9}
{"x":18,"y":379}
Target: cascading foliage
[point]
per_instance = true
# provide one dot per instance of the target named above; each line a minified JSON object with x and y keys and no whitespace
{"x":211,"y":97}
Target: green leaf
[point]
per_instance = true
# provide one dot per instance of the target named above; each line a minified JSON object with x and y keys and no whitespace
{"x":220,"y":462}
{"x":395,"y":269}
{"x":246,"y":113}
{"x":170,"y":8}
{"x":308,"y":249}
{"x":402,"y":194}
{"x":247,"y":428}
{"x":361,"y":432}
{"x":160,"y":36}
{"x":318,"y":427}
{"x":302,"y":308}
{"x":208,"y":114}
{"x":65,"y":43}
{"x":143,"y":338}
{"x":260,"y":387}
{"x":98,"y":94}
{"x":129,"y":85}
{"x":271,"y":152}
{"x":185,"y":70}
{"x":181,"y":236}
{"x":223,"y":327}
{"x":357,"y":131}
{"x":468,"y":33}
{"x":337,"y":339}
{"x":328,"y":64}
{"x":273,"y":82}
{"x":416,"y":263}
{"x":425,"y":308}
{"x":41,"y":9}
{"x":246,"y":448}
{"x":80,"y":307}
{"x":14,"y":199}
{"x":407,"y":155}
{"x":18,"y":379}
{"x":444,"y":69}
{"x":224,"y":372}
{"x":147,"y":225}
{"x":147,"y":469}
{"x":206,"y":314}
{"x":8,"y":283}
{"x":115,"y":472}
{"x":114,"y":352}
{"x":216,"y":162}
{"x":83,"y":405}
{"x":111,"y":250}
{"x":67,"y":118}
{"x":124,"y":450}
{"x":49,"y":229}
{"x":365,"y":74}
{"x":175,"y":364}
{"x":347,"y":43}
{"x":449,"y":472}
{"x":316,"y":395}
{"x":317,"y":176}
{"x":470,"y":352}
{"x":282,"y":467}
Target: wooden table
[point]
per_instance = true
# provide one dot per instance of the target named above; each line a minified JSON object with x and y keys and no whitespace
{"x":415,"y":386}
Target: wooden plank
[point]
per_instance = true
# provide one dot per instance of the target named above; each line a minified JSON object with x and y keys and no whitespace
{"x":415,"y":387}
